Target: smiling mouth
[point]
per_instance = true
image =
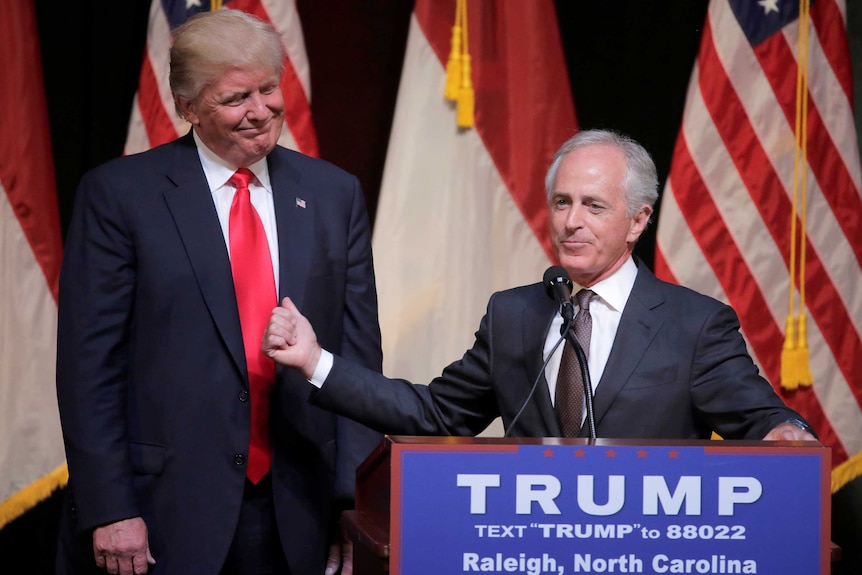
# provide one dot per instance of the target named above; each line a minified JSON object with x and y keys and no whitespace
{"x":260,"y":126}
{"x":573,"y":242}
{"x":574,"y":248}
{"x":254,"y":131}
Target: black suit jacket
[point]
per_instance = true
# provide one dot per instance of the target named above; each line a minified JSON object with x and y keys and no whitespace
{"x":151,"y":371}
{"x":678,"y":369}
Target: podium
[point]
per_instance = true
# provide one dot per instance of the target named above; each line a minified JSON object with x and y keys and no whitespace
{"x":549,"y":505}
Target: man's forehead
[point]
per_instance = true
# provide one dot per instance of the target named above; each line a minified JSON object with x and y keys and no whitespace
{"x":595,"y":165}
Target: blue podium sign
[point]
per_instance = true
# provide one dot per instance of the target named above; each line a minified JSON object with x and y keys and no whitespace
{"x":609,"y":507}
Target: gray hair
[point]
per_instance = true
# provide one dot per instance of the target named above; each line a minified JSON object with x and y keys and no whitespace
{"x":210,"y":43}
{"x":640,"y":183}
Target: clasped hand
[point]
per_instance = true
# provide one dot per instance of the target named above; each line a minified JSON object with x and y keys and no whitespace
{"x":290,"y":340}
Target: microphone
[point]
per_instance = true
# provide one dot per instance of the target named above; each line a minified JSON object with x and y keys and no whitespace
{"x":559,"y":287}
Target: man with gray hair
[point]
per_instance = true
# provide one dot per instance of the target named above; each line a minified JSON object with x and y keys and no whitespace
{"x":187,"y":451}
{"x":666,"y":362}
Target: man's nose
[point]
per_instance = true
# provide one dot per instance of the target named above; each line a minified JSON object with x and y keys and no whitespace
{"x":257,"y":107}
{"x":574,"y":218}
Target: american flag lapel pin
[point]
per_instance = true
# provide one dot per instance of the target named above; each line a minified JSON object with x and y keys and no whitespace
{"x":300,"y":203}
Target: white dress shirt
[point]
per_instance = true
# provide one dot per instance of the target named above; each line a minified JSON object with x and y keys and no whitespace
{"x":606,"y":309}
{"x":217,"y":173}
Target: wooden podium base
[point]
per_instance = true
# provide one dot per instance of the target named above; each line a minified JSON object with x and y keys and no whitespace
{"x":370,"y":545}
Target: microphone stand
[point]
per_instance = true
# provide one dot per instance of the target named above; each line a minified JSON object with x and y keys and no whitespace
{"x":568,"y":333}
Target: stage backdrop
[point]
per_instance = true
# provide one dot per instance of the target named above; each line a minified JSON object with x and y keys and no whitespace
{"x":629,"y":66}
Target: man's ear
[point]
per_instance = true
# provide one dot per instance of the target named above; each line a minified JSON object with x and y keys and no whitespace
{"x":187,"y":110}
{"x":639,"y":224}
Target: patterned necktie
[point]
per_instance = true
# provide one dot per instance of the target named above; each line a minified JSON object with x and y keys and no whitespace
{"x":253,"y":280}
{"x":569,"y":402}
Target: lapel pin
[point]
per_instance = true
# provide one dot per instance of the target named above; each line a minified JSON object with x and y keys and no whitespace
{"x":300,"y":203}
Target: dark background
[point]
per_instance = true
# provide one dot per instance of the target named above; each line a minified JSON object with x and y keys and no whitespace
{"x":628,"y":61}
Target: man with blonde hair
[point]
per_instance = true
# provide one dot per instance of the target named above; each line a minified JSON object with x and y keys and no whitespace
{"x":188,"y":453}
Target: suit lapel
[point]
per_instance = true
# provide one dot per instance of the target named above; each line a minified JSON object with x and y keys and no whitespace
{"x":295,"y":216}
{"x":638,"y":326}
{"x":536,"y":323}
{"x":191,"y":205}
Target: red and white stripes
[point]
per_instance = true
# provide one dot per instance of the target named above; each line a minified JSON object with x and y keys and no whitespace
{"x":724,"y":225}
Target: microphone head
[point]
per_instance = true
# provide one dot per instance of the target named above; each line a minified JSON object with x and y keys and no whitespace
{"x":556,"y":276}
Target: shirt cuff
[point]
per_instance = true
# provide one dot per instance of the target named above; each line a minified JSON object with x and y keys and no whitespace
{"x":321,"y":372}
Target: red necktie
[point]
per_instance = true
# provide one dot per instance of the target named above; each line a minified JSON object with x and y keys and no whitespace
{"x":251,"y":264}
{"x":569,"y":400}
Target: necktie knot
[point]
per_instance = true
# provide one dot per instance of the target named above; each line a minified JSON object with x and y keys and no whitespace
{"x":241,"y":178}
{"x":584,"y":296}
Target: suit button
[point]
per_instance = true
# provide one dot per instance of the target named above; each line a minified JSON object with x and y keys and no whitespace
{"x":243,"y":395}
{"x":239,"y":459}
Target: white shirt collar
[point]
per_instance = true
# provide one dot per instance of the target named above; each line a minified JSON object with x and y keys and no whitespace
{"x":615,"y":290}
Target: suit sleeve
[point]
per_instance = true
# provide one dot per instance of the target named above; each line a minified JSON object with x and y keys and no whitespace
{"x":361,"y":342}
{"x":727,"y":388}
{"x":96,"y":294}
{"x":460,"y":402}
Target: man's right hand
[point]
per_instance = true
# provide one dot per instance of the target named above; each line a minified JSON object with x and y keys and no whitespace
{"x":123,"y":547}
{"x":290,"y":340}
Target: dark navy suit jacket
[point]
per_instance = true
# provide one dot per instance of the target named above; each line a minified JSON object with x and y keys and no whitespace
{"x":151,"y":370}
{"x":678,"y":369}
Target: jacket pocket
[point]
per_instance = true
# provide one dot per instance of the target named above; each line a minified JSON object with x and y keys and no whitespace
{"x":655,"y":377}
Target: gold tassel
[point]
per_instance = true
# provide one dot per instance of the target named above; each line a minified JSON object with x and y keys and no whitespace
{"x":466,"y":97}
{"x":459,"y":81}
{"x":795,"y":361}
{"x":803,"y":370}
{"x":453,"y":66}
{"x":789,"y":355}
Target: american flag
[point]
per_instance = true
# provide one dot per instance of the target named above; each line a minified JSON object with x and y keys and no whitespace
{"x":725,"y":226}
{"x":153,"y":119}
